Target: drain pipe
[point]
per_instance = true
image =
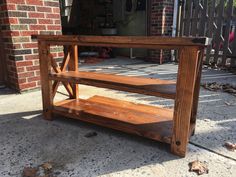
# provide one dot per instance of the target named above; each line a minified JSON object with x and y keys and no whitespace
{"x":174,"y":27}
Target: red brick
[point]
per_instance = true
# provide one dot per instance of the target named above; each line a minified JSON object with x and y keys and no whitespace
{"x":13,"y":46}
{"x":31,"y":79}
{"x":37,"y":27}
{"x":28,"y":33}
{"x":27,"y":85}
{"x":16,"y":1}
{"x":34,"y":2}
{"x":53,"y":27}
{"x":8,"y":7}
{"x":37,"y":73}
{"x":24,"y":63}
{"x":10,"y":33}
{"x":53,"y":16}
{"x":31,"y":57}
{"x":21,"y":81}
{"x":10,"y":21}
{"x":57,"y":22}
{"x":36,"y":15}
{"x":44,"y":9}
{"x":25,"y":75}
{"x":45,"y":21}
{"x":32,"y":68}
{"x":56,"y":10}
{"x":20,"y":69}
{"x":30,"y":45}
{"x":60,"y":54}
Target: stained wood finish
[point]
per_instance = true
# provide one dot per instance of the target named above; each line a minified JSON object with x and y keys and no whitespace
{"x":121,"y":41}
{"x":155,"y":87}
{"x":45,"y":70}
{"x":73,"y":65}
{"x":55,"y":85}
{"x":186,"y":83}
{"x":148,"y":121}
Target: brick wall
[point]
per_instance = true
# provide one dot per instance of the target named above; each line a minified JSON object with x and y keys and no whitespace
{"x":160,"y":24}
{"x":19,"y":19}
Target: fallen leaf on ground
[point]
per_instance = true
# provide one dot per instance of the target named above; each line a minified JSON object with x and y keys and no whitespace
{"x":198,"y":167}
{"x":47,"y":166}
{"x":29,"y":172}
{"x":230,"y":146}
{"x":91,"y":134}
{"x":220,"y":87}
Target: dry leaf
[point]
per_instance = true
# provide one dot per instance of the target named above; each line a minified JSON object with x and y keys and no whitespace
{"x":47,"y":166}
{"x":29,"y":172}
{"x":230,"y":146}
{"x":198,"y":167}
{"x":223,"y":87}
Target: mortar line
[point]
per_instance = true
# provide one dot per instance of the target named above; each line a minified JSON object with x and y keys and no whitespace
{"x":210,"y":150}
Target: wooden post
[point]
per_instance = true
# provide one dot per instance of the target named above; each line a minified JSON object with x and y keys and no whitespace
{"x":46,"y":84}
{"x":73,"y":65}
{"x":184,"y":99}
{"x":197,"y":90}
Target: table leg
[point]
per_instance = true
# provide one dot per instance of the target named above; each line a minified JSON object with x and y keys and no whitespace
{"x":196,"y":91}
{"x":46,"y":84}
{"x":186,"y":81}
{"x":73,"y":66}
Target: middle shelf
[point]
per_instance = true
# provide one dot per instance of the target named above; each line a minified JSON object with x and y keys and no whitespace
{"x":147,"y":86}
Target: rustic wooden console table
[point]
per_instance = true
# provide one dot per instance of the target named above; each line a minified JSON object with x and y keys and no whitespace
{"x":165,"y":125}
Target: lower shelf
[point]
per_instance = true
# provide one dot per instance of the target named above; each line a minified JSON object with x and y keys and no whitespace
{"x":147,"y":121}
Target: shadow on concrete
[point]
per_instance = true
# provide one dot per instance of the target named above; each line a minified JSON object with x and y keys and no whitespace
{"x":26,"y":139}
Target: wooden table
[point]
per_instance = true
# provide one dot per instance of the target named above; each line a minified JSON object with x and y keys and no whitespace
{"x":172,"y":126}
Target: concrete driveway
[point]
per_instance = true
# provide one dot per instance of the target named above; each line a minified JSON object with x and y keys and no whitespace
{"x":28,"y":140}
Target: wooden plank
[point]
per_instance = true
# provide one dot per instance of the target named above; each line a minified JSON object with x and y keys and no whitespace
{"x":155,"y":87}
{"x":127,"y":41}
{"x":46,"y":84}
{"x":73,"y":65}
{"x":187,"y":75}
{"x":56,"y":84}
{"x":63,"y":69}
{"x":148,"y":121}
{"x":196,"y":91}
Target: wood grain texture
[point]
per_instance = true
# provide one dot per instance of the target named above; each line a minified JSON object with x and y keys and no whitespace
{"x":155,"y":87}
{"x":187,"y":75}
{"x":73,"y":65}
{"x":127,"y":41}
{"x":148,"y":121}
{"x":45,"y":70}
{"x":55,"y":85}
